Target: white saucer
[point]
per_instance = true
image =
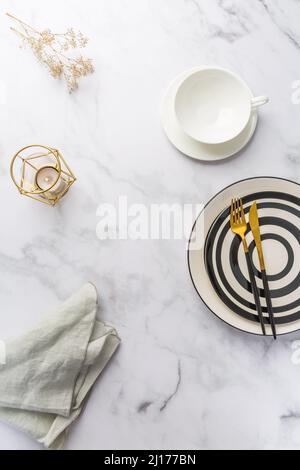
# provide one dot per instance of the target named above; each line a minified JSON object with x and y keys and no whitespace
{"x":190,"y":147}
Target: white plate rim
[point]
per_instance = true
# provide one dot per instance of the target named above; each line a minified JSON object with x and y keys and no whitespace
{"x":258,"y":334}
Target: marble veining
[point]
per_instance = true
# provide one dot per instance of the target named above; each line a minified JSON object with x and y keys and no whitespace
{"x":182,"y":378}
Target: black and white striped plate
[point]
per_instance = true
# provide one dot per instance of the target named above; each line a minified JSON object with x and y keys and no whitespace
{"x":217,"y":262}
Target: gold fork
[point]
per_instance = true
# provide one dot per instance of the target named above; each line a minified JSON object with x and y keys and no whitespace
{"x":239,"y":227}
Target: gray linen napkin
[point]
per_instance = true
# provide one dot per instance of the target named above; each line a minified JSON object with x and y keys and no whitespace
{"x":50,"y":370}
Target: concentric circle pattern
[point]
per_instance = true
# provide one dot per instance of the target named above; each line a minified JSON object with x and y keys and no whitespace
{"x":217,"y":261}
{"x":280,"y":221}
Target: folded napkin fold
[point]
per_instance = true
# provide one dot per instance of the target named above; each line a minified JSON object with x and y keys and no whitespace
{"x":50,"y":370}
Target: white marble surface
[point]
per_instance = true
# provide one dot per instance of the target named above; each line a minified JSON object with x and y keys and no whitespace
{"x":181,"y":379}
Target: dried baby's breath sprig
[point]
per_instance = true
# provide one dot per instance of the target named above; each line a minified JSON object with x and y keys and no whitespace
{"x":51,"y":50}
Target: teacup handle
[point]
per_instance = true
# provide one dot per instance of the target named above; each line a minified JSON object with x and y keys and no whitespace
{"x":259,"y":101}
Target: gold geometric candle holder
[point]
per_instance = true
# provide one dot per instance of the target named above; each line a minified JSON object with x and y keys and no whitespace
{"x":41,"y":173}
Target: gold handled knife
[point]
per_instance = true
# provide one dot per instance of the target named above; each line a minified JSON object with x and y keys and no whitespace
{"x":254,"y":224}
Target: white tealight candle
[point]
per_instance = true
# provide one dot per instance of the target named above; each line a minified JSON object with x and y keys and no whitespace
{"x":46,"y":178}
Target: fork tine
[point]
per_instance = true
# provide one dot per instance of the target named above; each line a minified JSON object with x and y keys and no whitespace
{"x":231,"y":214}
{"x":236,"y":212}
{"x":233,"y":209}
{"x":243,"y":212}
{"x":240,"y":211}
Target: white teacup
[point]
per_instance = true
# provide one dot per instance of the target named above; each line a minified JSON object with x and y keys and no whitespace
{"x":214,"y":105}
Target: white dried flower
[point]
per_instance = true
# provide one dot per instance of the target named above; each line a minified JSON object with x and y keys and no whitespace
{"x":50,"y":49}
